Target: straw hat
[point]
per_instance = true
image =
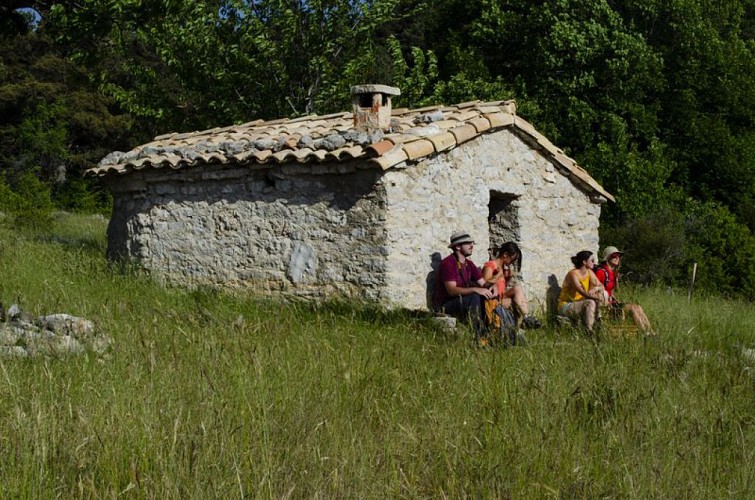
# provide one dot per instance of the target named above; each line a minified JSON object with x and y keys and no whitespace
{"x":610,"y":251}
{"x":459,"y":238}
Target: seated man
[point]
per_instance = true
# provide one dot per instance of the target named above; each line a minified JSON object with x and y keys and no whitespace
{"x":459,"y":286}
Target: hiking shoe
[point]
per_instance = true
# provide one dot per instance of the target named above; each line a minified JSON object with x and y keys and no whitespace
{"x":531,"y":323}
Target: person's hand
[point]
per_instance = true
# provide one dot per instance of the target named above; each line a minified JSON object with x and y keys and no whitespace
{"x":597,"y":295}
{"x":485,"y":292}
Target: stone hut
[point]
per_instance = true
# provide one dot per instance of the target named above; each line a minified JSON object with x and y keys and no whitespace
{"x":357,"y":203}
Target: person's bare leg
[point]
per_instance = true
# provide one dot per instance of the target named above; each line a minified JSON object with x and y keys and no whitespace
{"x":584,"y":311}
{"x":590,"y":313}
{"x":516,"y":293}
{"x":638,"y":316}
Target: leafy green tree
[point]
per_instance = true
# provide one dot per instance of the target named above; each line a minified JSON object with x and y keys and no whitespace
{"x":194,"y":64}
{"x":52,"y":123}
{"x":707,"y":108}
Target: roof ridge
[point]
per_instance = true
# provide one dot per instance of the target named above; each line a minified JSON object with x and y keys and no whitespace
{"x":414,"y":134}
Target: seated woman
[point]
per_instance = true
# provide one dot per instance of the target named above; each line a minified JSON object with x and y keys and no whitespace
{"x":607,"y":273}
{"x":581,"y":292}
{"x":497,"y":272}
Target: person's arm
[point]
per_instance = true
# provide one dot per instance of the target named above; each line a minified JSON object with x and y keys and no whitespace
{"x":457,"y":291}
{"x":595,"y":284}
{"x":602,"y":276}
{"x":572,"y":279}
{"x":490,"y":274}
{"x":490,"y":279}
{"x":597,"y":290}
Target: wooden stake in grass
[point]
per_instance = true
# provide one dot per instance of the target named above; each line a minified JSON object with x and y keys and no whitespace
{"x":692,"y":283}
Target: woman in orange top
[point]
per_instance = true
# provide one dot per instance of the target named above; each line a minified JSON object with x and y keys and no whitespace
{"x":581,"y":292}
{"x":498,"y":271}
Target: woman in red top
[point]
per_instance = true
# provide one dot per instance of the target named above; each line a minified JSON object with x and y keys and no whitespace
{"x":608,"y":274}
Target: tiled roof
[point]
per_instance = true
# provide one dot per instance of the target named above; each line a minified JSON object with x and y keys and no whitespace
{"x":414,"y":134}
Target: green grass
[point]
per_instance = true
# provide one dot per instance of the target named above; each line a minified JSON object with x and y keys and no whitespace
{"x":213,"y":395}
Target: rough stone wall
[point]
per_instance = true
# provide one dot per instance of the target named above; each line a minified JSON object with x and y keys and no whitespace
{"x":311,"y":231}
{"x":315,"y":231}
{"x":428,"y":201}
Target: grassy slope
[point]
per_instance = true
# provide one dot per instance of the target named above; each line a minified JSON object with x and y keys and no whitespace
{"x":209,"y":395}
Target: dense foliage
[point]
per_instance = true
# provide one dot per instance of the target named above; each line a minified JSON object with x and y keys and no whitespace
{"x":656,"y":98}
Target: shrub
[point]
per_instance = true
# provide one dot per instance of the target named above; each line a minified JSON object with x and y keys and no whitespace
{"x":655,"y":247}
{"x":662,"y":247}
{"x":80,"y":195}
{"x":723,"y":248}
{"x":28,"y":200}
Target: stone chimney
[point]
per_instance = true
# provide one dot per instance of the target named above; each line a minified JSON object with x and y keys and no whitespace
{"x":372,"y":106}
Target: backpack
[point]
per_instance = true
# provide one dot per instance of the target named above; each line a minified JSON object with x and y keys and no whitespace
{"x":501,"y":322}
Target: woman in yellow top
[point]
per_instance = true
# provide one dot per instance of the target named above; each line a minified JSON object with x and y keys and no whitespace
{"x":581,"y":292}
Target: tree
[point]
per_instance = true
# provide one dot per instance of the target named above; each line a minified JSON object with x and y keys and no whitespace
{"x":52,"y":124}
{"x":194,"y":64}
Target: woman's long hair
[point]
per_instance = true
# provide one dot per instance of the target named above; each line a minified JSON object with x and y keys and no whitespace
{"x":512,"y":250}
{"x":582,"y":256}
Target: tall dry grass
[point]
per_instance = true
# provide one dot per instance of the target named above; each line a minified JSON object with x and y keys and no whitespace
{"x":209,"y":395}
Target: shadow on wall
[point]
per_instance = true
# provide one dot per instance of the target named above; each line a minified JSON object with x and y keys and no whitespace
{"x":551,"y":296}
{"x":435,"y":259}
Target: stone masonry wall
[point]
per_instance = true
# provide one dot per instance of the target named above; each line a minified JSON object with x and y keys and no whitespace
{"x":428,"y":201}
{"x":306,"y":230}
{"x":319,"y":230}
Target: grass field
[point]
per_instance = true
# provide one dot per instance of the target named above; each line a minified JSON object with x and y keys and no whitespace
{"x":209,"y":395}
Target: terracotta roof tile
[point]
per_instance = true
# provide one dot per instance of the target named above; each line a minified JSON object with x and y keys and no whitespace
{"x":467,"y":115}
{"x":319,"y":155}
{"x":302,"y":118}
{"x":418,"y":149}
{"x":446,"y":124}
{"x":262,"y":156}
{"x":416,"y":134}
{"x":481,"y":124}
{"x":443,"y":141}
{"x":243,"y":156}
{"x":392,"y":158}
{"x":463,"y":133}
{"x":281,"y":156}
{"x":467,"y":104}
{"x":303,"y":154}
{"x":500,"y":119}
{"x":379,"y":148}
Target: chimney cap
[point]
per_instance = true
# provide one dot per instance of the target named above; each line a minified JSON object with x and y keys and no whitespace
{"x":375,"y":89}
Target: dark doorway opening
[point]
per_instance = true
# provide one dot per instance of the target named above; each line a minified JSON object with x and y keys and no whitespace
{"x":503,"y":218}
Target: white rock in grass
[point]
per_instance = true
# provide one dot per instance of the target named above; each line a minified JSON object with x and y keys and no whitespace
{"x":66,"y":324}
{"x":9,"y":336}
{"x":12,"y":351}
{"x":54,"y":335}
{"x":447,"y":323}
